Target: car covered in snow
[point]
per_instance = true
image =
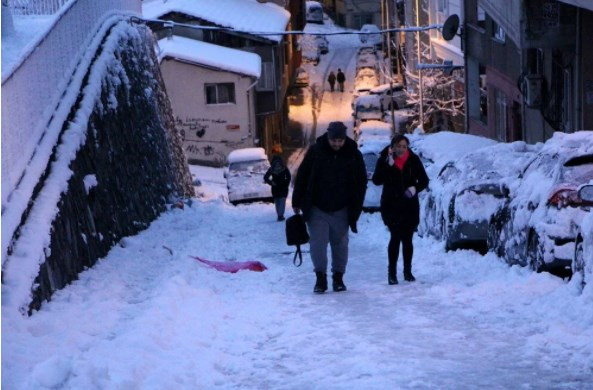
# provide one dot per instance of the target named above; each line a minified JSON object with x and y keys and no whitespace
{"x":313,"y":12}
{"x":245,"y":176}
{"x":322,"y":44}
{"x":368,"y":107}
{"x":391,"y":95}
{"x":582,"y":261}
{"x":537,"y":226}
{"x":365,"y":79}
{"x":371,"y":149}
{"x":371,"y":36}
{"x":373,"y":130}
{"x":469,"y":191}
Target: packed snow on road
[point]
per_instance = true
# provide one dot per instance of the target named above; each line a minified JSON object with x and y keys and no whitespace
{"x":150,"y":316}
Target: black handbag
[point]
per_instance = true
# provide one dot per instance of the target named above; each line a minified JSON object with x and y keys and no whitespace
{"x":296,"y":234}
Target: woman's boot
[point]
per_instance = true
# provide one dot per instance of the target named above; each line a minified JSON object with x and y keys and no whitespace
{"x":338,"y":283}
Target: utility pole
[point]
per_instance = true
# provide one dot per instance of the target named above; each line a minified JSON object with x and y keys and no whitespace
{"x":390,"y":68}
{"x":420,"y":85}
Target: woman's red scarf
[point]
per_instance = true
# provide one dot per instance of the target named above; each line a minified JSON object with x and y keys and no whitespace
{"x":401,"y":160}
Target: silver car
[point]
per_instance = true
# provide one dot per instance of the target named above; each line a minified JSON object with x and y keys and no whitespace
{"x":245,"y":176}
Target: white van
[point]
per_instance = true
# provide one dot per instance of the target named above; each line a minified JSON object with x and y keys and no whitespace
{"x":314,"y":12}
{"x":245,"y":176}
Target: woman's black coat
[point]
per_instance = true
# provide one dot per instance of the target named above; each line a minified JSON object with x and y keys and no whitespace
{"x":396,"y":209}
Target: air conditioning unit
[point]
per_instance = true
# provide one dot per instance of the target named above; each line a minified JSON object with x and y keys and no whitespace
{"x":533,"y":90}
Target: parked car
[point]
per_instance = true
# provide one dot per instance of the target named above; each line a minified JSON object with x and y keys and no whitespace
{"x":363,"y":82}
{"x":582,"y":261}
{"x":366,"y":60}
{"x":373,"y":36}
{"x":469,"y":190}
{"x":322,"y":43}
{"x":301,"y":78}
{"x":245,"y":176}
{"x":537,"y":226}
{"x":368,"y":108}
{"x":370,"y":153}
{"x":314,"y":12}
{"x":310,"y":51}
{"x":391,"y":94}
{"x":373,"y":130}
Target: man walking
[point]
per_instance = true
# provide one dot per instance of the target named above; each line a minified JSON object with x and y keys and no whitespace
{"x":329,"y":189}
{"x":341,"y":79}
{"x":331,"y":79}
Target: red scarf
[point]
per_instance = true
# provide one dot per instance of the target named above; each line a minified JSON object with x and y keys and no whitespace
{"x":400,"y":161}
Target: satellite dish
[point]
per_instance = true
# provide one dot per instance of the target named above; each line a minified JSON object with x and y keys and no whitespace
{"x":450,"y":27}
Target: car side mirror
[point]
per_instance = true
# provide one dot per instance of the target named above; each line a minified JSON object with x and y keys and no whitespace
{"x":586,"y":193}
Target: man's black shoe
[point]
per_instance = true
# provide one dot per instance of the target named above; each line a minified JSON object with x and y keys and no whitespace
{"x":321,"y":283}
{"x":409,"y":277}
{"x":338,"y":283}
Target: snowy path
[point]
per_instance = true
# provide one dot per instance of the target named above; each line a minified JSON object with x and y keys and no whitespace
{"x":145,"y":318}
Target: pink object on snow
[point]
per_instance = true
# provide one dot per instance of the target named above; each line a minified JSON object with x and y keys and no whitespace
{"x":233,"y":266}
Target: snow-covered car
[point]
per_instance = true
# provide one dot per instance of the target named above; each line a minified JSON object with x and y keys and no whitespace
{"x":403,"y":118}
{"x":370,"y":153}
{"x":365,"y":79}
{"x":310,"y":51}
{"x":372,"y":36}
{"x":245,"y":176}
{"x":322,"y":43}
{"x":374,"y":131}
{"x":582,"y":261}
{"x":301,"y":78}
{"x":366,"y":60}
{"x":314,"y":12}
{"x":469,"y":191}
{"x":368,"y":107}
{"x":393,"y":94}
{"x":435,"y":151}
{"x":537,"y":226}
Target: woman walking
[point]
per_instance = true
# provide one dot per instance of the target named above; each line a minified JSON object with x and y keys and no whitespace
{"x":278,"y":176}
{"x":402,"y":175}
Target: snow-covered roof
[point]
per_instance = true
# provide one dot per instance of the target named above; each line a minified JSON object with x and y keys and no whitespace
{"x":580,"y":142}
{"x":368,"y":101}
{"x":244,"y":15}
{"x":374,"y":145}
{"x":247,"y":154}
{"x":220,"y":57}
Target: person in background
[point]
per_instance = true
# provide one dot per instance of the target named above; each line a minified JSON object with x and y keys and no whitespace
{"x":341,"y":79}
{"x":278,"y":176}
{"x":329,"y":190}
{"x":331,"y":79}
{"x":402,"y":176}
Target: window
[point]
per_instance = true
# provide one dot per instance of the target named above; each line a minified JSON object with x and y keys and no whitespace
{"x":220,"y":93}
{"x":266,"y":80}
{"x":497,"y":32}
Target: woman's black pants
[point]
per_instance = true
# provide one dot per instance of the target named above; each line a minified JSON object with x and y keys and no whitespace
{"x":400,"y":234}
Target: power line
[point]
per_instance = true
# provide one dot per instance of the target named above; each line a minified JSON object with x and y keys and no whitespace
{"x":171,"y":24}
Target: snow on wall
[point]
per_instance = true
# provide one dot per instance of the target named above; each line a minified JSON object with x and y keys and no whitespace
{"x":33,"y":86}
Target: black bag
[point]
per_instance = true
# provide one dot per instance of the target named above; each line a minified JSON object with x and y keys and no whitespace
{"x":296,"y":234}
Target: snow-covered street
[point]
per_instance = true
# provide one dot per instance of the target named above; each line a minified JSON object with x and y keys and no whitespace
{"x":153,"y":318}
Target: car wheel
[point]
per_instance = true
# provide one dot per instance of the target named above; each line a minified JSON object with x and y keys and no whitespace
{"x":535,"y":253}
{"x":578,"y":260}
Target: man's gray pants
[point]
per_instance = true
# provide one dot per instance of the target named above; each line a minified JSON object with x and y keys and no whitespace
{"x":328,"y":228}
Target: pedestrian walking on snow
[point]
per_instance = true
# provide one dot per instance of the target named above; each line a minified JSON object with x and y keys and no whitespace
{"x":341,"y":79}
{"x":402,"y":176}
{"x":278,"y":176}
{"x":329,"y":190}
{"x":331,"y":79}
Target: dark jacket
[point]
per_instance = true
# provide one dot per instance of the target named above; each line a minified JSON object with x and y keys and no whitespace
{"x":331,"y":180}
{"x":278,"y":176}
{"x":331,"y":78}
{"x":396,"y":209}
{"x":341,"y":78}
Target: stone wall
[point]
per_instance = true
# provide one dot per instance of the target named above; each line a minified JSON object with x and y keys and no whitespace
{"x":128,"y":171}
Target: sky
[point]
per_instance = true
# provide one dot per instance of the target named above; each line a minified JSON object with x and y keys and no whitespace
{"x":149,"y":316}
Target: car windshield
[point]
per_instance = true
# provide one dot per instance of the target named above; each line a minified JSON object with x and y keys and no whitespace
{"x":259,"y":166}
